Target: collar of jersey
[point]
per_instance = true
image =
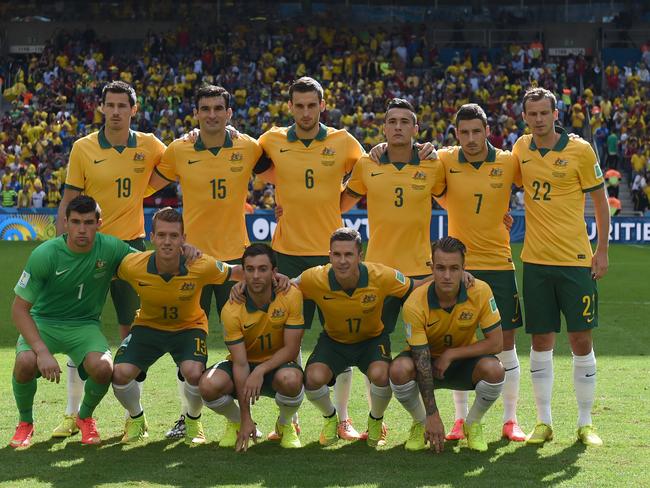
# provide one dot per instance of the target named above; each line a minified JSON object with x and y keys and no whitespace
{"x":415,"y":159}
{"x":559,"y":145}
{"x":490,"y":158}
{"x":200,"y":146}
{"x":433,"y":298}
{"x":104,"y":144}
{"x":362,"y":283}
{"x":152,"y":269}
{"x":293,"y":137}
{"x":252,"y":308}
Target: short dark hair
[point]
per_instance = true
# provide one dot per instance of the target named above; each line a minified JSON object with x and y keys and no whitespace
{"x":119,"y":87}
{"x":471,"y":111}
{"x":83,"y":204}
{"x":167,"y":214}
{"x":401,"y":103}
{"x":537,"y":94}
{"x":346,"y":234}
{"x":306,"y":85}
{"x":259,"y":250}
{"x":209,"y":91}
{"x":449,"y":244}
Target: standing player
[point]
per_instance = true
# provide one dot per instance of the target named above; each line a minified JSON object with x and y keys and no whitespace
{"x":399,"y":189}
{"x":113,"y":166}
{"x":214,"y":173}
{"x":479,"y":181}
{"x":351,"y":295}
{"x":560,"y":278}
{"x":59,"y":299}
{"x":263,"y":335}
{"x":169,"y":320}
{"x":309,"y":162}
{"x":441,"y":319}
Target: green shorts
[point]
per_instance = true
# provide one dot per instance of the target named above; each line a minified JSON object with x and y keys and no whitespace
{"x":339,"y":357}
{"x":74,"y":340}
{"x":267,"y":384}
{"x":504,"y":288}
{"x":145,"y":345}
{"x":458,"y":375}
{"x":392,"y":306}
{"x":549,"y":290}
{"x":125,"y":299}
{"x":292,"y":266}
{"x":221,"y":293}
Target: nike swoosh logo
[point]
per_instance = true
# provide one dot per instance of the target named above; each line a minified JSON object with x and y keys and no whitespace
{"x":510,"y":369}
{"x":328,"y":298}
{"x":143,"y":284}
{"x":433,"y":323}
{"x":249,"y":326}
{"x":516,"y":319}
{"x":536,"y":370}
{"x":284,"y":150}
{"x":589,"y":321}
{"x":376,"y":174}
{"x":189,"y":161}
{"x":97,"y":161}
{"x":590,"y":375}
{"x":452,"y":171}
{"x":61,"y":272}
{"x":524,"y":161}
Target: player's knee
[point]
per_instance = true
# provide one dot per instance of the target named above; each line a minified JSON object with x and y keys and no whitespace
{"x":25,"y":367}
{"x":378,"y":373}
{"x":402,"y":370}
{"x":490,"y":370}
{"x":581,"y":343}
{"x":213,"y":386}
{"x":316,"y":376}
{"x":288,"y":381}
{"x":192,"y":374}
{"x":121,"y":374}
{"x":102,"y":372}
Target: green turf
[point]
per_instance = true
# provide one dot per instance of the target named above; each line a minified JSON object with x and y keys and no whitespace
{"x":621,"y":414}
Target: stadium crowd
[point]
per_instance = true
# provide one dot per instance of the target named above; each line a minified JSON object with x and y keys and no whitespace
{"x":53,"y":97}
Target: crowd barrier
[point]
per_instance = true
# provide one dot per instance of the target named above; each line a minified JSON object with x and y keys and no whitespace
{"x":39,"y":224}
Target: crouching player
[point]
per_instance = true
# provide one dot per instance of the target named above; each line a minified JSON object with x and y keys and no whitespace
{"x":170,"y":320}
{"x":444,"y":352}
{"x":59,"y":299}
{"x":263,"y":335}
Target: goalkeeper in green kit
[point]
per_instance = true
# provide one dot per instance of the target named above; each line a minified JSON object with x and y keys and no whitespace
{"x":59,"y":299}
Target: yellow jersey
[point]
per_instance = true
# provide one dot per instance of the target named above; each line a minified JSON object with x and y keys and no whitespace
{"x":308,"y":178}
{"x":353,"y":316}
{"x":427,"y":324}
{"x":477,"y":197}
{"x":262,"y":330}
{"x":555,"y":182}
{"x":215,"y":186}
{"x":171,"y":302}
{"x":399,"y":209}
{"x":116,"y":177}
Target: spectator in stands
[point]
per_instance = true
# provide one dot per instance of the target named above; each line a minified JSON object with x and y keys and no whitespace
{"x":612,"y":151}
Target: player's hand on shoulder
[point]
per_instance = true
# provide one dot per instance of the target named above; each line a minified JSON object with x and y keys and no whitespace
{"x":48,"y":366}
{"x":278,"y":211}
{"x":281,"y":283}
{"x":468,"y":279}
{"x":191,"y":253}
{"x":434,"y":432}
{"x":234,"y":133}
{"x":378,"y":151}
{"x":191,"y":136}
{"x":247,"y":431}
{"x":238,"y":292}
{"x":426,"y":151}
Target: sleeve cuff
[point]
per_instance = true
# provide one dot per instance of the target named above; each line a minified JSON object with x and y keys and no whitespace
{"x":350,"y":191}
{"x":157,"y":171}
{"x":593,"y":188}
{"x":492,"y":327}
{"x":236,"y":341}
{"x":72,"y":187}
{"x":296,"y":326}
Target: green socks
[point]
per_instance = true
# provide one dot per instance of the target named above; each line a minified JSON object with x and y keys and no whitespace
{"x":24,"y":395}
{"x":93,"y":394}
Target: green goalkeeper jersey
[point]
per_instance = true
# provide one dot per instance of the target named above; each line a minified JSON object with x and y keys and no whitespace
{"x":66,"y":287}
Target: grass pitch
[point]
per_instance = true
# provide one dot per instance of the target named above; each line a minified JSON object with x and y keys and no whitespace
{"x":621,"y":415}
